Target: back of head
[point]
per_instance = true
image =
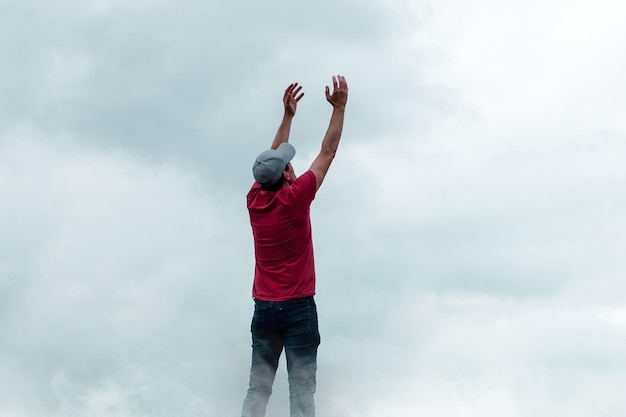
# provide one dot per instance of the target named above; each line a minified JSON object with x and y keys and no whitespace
{"x":273,"y":186}
{"x":269,"y":166}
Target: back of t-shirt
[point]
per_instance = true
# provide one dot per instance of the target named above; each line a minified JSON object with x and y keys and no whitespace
{"x":283,"y":244}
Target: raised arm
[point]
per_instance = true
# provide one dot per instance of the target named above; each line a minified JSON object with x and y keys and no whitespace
{"x":290,"y":100}
{"x":338,"y":99}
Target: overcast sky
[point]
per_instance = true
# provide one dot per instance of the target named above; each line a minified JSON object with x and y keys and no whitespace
{"x":469,"y":237}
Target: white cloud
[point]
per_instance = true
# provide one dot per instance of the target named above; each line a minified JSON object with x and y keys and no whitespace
{"x":468,"y":237}
{"x":120,"y":263}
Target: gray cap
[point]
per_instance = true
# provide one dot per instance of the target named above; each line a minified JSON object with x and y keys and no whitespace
{"x":270,"y":164}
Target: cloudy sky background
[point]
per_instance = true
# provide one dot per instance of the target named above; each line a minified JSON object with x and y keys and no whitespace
{"x":469,"y":237}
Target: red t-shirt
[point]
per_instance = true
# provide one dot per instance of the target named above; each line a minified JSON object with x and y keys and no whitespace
{"x":283,"y":246}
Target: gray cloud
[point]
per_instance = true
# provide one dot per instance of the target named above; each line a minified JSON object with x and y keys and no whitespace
{"x":189,"y":80}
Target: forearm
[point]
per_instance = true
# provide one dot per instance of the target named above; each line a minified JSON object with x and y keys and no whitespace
{"x":333,"y":134}
{"x":282,"y":135}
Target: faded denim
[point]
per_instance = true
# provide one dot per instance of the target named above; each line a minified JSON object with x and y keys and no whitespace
{"x":291,"y":325}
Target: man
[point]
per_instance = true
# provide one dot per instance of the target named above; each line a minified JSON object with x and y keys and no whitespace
{"x":285,"y":315}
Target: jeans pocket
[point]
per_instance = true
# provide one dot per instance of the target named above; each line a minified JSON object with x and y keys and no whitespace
{"x":258,"y":318}
{"x":303,"y":331}
{"x":302,"y":320}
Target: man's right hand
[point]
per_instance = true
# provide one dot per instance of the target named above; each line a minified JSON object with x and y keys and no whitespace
{"x":291,"y":98}
{"x":339,"y":97}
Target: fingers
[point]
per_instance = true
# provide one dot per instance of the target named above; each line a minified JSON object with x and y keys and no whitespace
{"x":339,"y":82}
{"x":295,"y":92}
{"x":289,"y":89}
{"x":339,"y":95}
{"x":291,"y":92}
{"x":342,"y":82}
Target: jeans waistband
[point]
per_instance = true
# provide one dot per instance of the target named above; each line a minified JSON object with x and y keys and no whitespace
{"x":304,"y":300}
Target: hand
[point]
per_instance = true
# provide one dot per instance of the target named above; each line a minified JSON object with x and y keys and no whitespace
{"x":339,"y":97}
{"x":291,"y":98}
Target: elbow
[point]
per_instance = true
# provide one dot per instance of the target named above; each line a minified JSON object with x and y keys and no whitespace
{"x":329,"y":152}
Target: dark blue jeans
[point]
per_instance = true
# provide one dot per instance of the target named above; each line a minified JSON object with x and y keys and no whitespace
{"x":291,"y":325}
